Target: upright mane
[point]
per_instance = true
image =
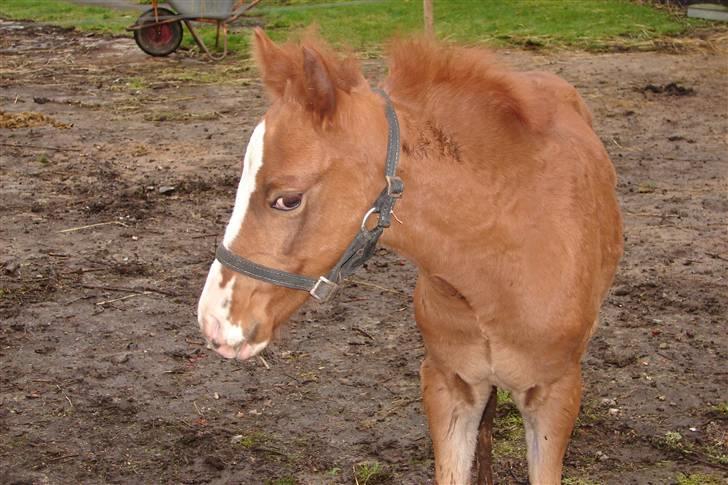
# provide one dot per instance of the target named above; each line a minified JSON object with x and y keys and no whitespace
{"x":424,"y":71}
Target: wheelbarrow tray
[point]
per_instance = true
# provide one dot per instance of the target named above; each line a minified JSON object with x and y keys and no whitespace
{"x":203,"y":9}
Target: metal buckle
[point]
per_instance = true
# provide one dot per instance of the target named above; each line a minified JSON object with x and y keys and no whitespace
{"x":395,"y":186}
{"x":323,"y":289}
{"x":371,"y":211}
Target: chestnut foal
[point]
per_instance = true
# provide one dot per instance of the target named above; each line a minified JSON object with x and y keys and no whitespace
{"x":509,"y":213}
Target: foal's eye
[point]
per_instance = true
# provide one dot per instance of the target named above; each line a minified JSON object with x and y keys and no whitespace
{"x":287,"y":202}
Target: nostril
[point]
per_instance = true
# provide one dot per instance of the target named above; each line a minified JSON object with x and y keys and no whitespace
{"x":211,"y":327}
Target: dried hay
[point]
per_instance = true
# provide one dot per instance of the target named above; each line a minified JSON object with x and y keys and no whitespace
{"x":28,"y":119}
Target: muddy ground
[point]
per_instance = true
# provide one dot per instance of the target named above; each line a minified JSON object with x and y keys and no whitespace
{"x":114,"y":193}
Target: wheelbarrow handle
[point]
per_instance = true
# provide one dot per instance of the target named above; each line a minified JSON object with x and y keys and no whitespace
{"x":240,"y":10}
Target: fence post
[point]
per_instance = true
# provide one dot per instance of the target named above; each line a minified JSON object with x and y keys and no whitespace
{"x":429,"y":18}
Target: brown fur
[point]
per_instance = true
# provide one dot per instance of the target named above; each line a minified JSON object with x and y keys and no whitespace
{"x":424,"y":72}
{"x":509,"y":212}
{"x":308,"y":71}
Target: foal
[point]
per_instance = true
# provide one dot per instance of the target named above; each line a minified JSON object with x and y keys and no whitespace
{"x":509,"y":213}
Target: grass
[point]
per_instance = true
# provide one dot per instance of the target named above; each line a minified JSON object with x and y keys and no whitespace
{"x":591,"y":24}
{"x":674,"y":442}
{"x":509,"y":437}
{"x":67,"y":14}
{"x":577,"y":481}
{"x":282,"y":481}
{"x":722,"y":409}
{"x":364,"y":25}
{"x":250,"y":440}
{"x":698,"y":479}
{"x":370,"y":473}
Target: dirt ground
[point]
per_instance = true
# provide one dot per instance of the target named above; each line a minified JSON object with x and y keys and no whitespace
{"x":117,"y":176}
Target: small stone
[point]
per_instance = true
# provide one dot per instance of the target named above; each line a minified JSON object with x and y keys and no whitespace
{"x":620,"y":358}
{"x":608,"y":402}
{"x":663,"y":345}
{"x":11,"y":267}
{"x":216,"y":396}
{"x":167,"y":189}
{"x":601,"y":456}
{"x":214,"y":462}
{"x":660,"y":398}
{"x":613,"y":411}
{"x":119,"y":358}
{"x":693,"y":429}
{"x":236,"y":439}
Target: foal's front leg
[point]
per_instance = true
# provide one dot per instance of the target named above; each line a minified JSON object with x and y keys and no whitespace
{"x":549,"y":414}
{"x":454,"y":408}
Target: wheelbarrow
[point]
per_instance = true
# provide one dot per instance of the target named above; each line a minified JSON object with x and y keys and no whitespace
{"x":158,"y":31}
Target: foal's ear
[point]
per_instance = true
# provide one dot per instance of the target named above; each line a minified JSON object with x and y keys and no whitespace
{"x":320,"y":90}
{"x":276,"y":65}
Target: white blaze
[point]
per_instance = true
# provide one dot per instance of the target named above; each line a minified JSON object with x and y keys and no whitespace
{"x":251,"y":164}
{"x":216,"y":299}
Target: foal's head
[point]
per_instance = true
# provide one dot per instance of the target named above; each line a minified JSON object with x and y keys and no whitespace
{"x":313,"y":166}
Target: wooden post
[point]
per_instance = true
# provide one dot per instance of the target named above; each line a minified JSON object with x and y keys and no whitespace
{"x":429,"y":18}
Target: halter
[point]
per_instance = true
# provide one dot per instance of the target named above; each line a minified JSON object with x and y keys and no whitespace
{"x":359,"y":250}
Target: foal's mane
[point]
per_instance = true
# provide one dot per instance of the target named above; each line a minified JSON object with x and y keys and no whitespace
{"x":449,"y":84}
{"x":421,"y":68}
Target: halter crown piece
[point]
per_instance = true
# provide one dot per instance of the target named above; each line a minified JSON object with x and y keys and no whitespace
{"x":359,"y":250}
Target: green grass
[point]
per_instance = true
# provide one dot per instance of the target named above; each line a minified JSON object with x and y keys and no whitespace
{"x":698,"y":479}
{"x":282,"y":481}
{"x":67,"y":14}
{"x":251,"y":440}
{"x":371,"y":473}
{"x":722,"y":409}
{"x":509,"y":440}
{"x":364,"y":25}
{"x":583,"y":23}
{"x":577,"y":481}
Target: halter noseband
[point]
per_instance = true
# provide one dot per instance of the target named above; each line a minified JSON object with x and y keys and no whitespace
{"x":359,"y":250}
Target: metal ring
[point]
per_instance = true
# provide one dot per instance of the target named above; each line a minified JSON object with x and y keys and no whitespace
{"x":366,"y":218}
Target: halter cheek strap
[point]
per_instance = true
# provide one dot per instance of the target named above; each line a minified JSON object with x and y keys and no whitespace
{"x":359,"y":250}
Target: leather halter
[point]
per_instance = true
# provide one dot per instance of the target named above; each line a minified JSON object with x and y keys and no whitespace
{"x":359,"y":250}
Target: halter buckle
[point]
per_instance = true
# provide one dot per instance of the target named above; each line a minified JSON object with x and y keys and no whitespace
{"x":323,"y":289}
{"x":364,"y":221}
{"x":395,"y":186}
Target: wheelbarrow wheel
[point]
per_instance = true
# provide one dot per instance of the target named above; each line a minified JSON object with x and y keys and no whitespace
{"x":155,"y":39}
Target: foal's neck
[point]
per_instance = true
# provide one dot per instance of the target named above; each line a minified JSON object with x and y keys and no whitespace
{"x":454,"y":181}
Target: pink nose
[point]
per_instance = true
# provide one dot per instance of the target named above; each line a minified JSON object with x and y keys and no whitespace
{"x":212,"y":330}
